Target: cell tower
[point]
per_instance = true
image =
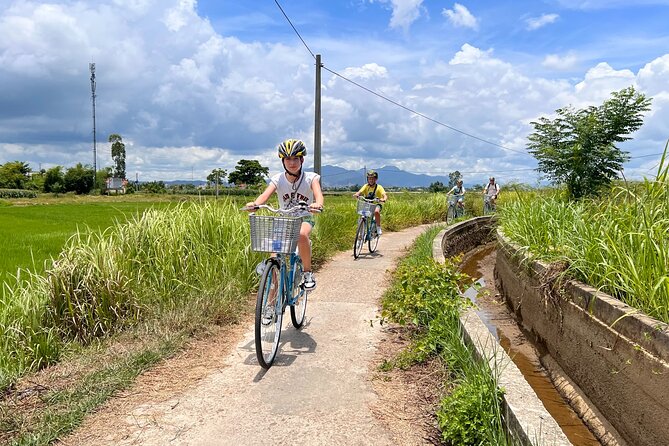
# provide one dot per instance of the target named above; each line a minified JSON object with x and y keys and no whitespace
{"x":91,"y":66}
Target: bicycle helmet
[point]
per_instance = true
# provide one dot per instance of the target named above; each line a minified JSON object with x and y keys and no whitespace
{"x":373,"y":173}
{"x":291,"y":147}
{"x":491,"y":179}
{"x":459,"y":181}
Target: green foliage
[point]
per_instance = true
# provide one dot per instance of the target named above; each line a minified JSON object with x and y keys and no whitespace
{"x":619,"y":243}
{"x":248,"y":172}
{"x":154,"y":187}
{"x":79,"y":179}
{"x":437,"y":186}
{"x":453,"y":177}
{"x":118,"y":155}
{"x":217,"y":176}
{"x":17,"y":193}
{"x":467,"y":414}
{"x":54,"y":180}
{"x":578,"y":147}
{"x":14,"y":175}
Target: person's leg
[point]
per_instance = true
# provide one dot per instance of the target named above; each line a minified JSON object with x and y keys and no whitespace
{"x":304,"y":248}
{"x":377,"y":216}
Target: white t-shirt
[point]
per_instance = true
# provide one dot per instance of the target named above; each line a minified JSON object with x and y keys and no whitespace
{"x":494,"y":190}
{"x":291,"y":193}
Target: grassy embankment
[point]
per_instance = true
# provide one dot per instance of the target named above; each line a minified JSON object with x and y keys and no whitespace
{"x":619,"y":243}
{"x":149,"y":284}
{"x":425,"y":298}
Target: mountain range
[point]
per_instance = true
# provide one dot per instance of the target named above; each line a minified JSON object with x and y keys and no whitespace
{"x":333,"y":176}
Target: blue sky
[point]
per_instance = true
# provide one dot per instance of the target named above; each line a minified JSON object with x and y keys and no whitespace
{"x":192,"y":86}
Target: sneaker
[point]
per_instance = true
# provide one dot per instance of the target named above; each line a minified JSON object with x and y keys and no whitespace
{"x":309,"y":281}
{"x":378,"y":230}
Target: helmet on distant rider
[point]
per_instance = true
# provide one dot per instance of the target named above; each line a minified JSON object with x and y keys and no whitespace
{"x":459,"y":181}
{"x":491,"y":179}
{"x":373,"y":173}
{"x":291,"y":147}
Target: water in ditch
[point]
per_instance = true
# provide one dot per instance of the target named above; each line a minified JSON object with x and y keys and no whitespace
{"x":501,"y":324}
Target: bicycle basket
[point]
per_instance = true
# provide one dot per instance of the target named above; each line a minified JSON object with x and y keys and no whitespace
{"x":365,"y":208}
{"x":274,"y":234}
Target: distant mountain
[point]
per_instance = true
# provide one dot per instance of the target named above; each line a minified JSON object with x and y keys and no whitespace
{"x":181,"y":182}
{"x":390,"y":176}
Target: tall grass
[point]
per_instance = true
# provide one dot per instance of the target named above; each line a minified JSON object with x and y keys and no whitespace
{"x":188,"y":255}
{"x":425,"y":296}
{"x":619,"y":243}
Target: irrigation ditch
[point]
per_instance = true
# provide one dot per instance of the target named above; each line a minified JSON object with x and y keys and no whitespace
{"x":576,"y":365}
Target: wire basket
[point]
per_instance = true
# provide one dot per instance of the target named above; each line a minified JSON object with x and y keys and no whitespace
{"x":365,"y":208}
{"x":274,"y":234}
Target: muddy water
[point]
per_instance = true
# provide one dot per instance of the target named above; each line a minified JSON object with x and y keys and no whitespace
{"x":494,"y":313}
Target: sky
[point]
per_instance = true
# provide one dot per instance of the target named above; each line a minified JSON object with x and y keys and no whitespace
{"x":196,"y":85}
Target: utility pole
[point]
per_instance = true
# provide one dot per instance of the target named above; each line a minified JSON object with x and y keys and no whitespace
{"x":91,"y":66}
{"x":317,"y":120}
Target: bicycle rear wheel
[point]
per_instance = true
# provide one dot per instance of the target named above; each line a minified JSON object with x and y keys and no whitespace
{"x":269,"y":315}
{"x":373,"y":237}
{"x":359,"y":241}
{"x":299,"y":309}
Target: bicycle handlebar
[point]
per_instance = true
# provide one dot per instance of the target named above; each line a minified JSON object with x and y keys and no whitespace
{"x":373,"y":200}
{"x":299,"y":207}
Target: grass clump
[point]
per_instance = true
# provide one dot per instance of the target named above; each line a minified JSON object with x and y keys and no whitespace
{"x":425,"y":296}
{"x":618,"y":243}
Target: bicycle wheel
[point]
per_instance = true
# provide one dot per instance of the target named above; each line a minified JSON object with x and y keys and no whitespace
{"x":486,"y":207}
{"x":450,"y":214}
{"x":373,"y":237}
{"x":299,"y":309}
{"x":269,"y":315}
{"x":359,"y":241}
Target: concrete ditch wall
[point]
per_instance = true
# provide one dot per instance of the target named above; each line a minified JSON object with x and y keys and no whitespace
{"x":617,"y":356}
{"x":527,"y":420}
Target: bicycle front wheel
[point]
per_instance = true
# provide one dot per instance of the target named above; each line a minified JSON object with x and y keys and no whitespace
{"x":450,"y":214}
{"x":299,"y":309}
{"x":269,"y":315}
{"x":373,"y":237}
{"x":359,"y":238}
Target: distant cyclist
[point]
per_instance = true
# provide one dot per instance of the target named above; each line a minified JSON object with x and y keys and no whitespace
{"x":293,"y":186}
{"x":373,"y":190}
{"x":492,"y":191}
{"x":458,"y":192}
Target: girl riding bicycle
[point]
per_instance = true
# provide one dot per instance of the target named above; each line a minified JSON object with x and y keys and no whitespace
{"x":373,"y":190}
{"x":292,"y":186}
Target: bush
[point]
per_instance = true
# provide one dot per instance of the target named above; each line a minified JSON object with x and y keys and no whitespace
{"x":17,"y":193}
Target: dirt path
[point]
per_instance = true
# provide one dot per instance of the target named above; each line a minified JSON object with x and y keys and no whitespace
{"x":317,"y":392}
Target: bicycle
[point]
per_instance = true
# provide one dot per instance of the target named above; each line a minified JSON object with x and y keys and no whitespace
{"x":454,"y":209}
{"x":488,"y":206}
{"x":281,"y":276}
{"x":367,"y":231}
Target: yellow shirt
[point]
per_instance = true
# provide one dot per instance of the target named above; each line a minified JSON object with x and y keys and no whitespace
{"x":367,"y":189}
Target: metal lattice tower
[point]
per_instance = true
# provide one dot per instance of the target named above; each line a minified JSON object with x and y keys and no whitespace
{"x":91,"y":66}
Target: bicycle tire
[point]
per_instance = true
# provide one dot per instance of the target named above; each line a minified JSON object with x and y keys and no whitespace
{"x":299,"y":309}
{"x":450,"y":214}
{"x":269,"y":315}
{"x":360,"y":236}
{"x":486,"y":208}
{"x":373,"y":237}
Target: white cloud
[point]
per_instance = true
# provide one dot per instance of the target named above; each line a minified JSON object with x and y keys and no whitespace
{"x":469,"y":55}
{"x":557,"y":62}
{"x":538,"y":22}
{"x":460,"y":16}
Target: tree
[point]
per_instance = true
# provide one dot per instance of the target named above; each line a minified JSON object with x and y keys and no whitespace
{"x":216,"y":177}
{"x":437,"y":186}
{"x":14,"y":175}
{"x":101,"y":177}
{"x":79,"y":179}
{"x":118,"y":155}
{"x":54,"y":180}
{"x":453,"y":177}
{"x":578,"y":149}
{"x":248,"y":172}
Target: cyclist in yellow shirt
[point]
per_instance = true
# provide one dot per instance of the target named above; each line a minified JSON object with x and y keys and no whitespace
{"x":372,"y":190}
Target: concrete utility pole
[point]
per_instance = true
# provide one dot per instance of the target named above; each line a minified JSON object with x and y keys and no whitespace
{"x":317,"y":120}
{"x":91,"y":66}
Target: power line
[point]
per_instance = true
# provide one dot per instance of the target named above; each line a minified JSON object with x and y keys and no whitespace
{"x":295,"y":29}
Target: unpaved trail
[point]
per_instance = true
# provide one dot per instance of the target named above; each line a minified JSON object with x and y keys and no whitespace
{"x":317,"y":392}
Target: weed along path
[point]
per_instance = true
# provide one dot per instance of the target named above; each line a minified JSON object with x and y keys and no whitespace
{"x":318,"y":391}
